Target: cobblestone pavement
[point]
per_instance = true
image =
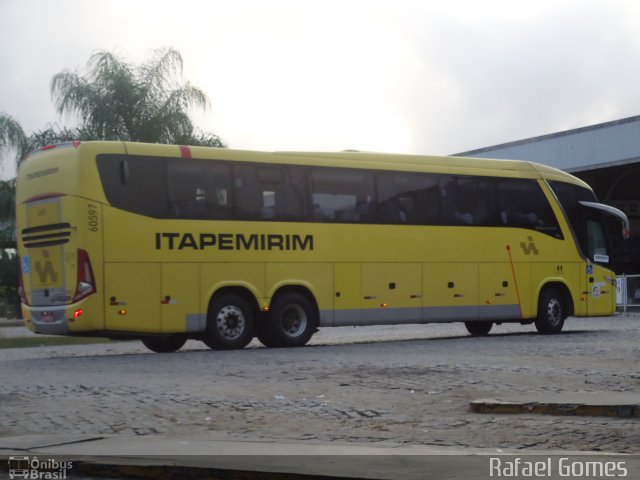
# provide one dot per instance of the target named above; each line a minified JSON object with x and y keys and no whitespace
{"x":404,"y":384}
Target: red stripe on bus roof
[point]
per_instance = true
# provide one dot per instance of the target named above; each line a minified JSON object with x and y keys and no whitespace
{"x":185,"y":151}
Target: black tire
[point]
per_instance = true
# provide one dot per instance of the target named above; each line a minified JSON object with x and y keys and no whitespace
{"x":169,"y":344}
{"x":230,"y":323}
{"x":291,"y":321}
{"x":552,"y":312}
{"x":479,"y":328}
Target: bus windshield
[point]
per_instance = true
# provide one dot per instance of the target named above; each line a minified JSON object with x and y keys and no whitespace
{"x":586,"y":217}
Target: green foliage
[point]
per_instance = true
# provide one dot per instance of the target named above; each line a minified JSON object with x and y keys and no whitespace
{"x":9,"y":299}
{"x":117,"y":100}
{"x":7,"y":210}
{"x":12,"y":136}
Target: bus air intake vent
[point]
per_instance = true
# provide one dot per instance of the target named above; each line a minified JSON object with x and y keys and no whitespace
{"x":46,"y":235}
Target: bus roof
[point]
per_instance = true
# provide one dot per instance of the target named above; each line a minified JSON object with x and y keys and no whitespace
{"x":348,"y":159}
{"x":361,"y":159}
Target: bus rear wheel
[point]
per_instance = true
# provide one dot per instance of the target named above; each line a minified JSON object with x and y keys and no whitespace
{"x":552,"y":312}
{"x":169,"y":344}
{"x":291,"y":321}
{"x":479,"y":329}
{"x":230,"y":321}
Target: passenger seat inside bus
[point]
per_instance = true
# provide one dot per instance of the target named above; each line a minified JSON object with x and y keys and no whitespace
{"x":464,"y":217}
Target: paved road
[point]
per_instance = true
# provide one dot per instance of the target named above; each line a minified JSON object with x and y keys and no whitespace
{"x":405,"y":384}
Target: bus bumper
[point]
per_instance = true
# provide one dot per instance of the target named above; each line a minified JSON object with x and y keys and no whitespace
{"x":47,"y":320}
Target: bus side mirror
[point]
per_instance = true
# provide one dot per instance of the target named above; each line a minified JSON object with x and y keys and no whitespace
{"x":626,"y":226}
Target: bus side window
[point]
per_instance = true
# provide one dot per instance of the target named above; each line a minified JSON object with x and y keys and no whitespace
{"x":270,"y":192}
{"x":269,"y":181}
{"x":134,"y":183}
{"x":522,"y":204}
{"x":408,"y":198}
{"x":465,"y":200}
{"x":337,"y":195}
{"x":390,"y":186}
{"x":460,"y":200}
{"x":291,"y":196}
{"x":249,"y":198}
{"x":199,"y":189}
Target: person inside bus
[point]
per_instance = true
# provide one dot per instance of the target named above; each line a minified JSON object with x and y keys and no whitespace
{"x":464,"y":218}
{"x":519,"y":219}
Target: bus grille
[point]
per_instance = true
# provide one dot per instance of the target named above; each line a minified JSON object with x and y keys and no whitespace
{"x":46,"y":235}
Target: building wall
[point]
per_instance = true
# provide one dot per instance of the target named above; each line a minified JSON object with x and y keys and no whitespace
{"x":587,"y":148}
{"x":606,"y":156}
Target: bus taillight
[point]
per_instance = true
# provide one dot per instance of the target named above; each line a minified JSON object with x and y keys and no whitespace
{"x":86,"y":282}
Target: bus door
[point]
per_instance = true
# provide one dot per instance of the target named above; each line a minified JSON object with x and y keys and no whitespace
{"x":599,"y":280}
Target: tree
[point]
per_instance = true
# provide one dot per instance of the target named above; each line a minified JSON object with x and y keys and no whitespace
{"x":9,"y":299}
{"x":12,"y":136}
{"x":117,"y":100}
{"x":144,"y":103}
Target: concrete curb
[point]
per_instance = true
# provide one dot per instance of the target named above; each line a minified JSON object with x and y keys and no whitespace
{"x":216,"y":456}
{"x":591,"y":404}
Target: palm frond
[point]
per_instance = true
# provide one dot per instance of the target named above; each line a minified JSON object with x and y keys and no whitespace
{"x":12,"y":136}
{"x":120,"y":101}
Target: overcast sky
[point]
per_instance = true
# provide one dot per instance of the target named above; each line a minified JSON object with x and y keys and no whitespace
{"x":421,"y":77}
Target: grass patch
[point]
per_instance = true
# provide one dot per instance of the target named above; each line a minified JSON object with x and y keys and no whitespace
{"x":49,"y":341}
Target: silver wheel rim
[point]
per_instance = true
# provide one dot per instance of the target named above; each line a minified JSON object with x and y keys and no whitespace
{"x":230,"y":322}
{"x":294,"y":320}
{"x":554,"y":312}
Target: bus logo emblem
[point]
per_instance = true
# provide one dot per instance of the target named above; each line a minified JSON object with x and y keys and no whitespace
{"x":47,"y":270}
{"x":530,"y":247}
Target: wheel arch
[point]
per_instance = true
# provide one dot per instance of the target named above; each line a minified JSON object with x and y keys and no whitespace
{"x":302,"y":290}
{"x":563,"y":289}
{"x":241,"y":290}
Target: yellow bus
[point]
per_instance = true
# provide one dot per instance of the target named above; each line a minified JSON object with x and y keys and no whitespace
{"x":168,"y":243}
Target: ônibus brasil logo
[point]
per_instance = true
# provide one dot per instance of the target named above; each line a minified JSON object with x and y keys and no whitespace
{"x":32,"y":468}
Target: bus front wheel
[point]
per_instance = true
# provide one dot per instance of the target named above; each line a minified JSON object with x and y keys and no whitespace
{"x":291,"y":321}
{"x":169,"y":344}
{"x":478,"y":329}
{"x":552,"y":312}
{"x":230,"y":321}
